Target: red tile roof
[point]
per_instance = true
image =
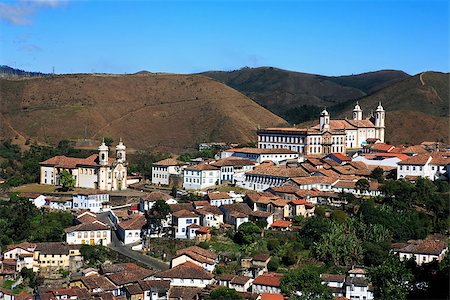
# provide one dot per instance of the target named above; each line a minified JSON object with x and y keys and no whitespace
{"x":71,"y":162}
{"x":341,"y":156}
{"x":218,"y":195}
{"x":382,"y":147}
{"x":267,"y":296}
{"x":281,"y":224}
{"x":187,"y":270}
{"x":268,"y":280}
{"x":136,"y":222}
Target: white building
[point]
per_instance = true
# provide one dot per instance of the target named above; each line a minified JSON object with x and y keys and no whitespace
{"x":335,"y":282}
{"x":381,"y":159}
{"x":20,"y":255}
{"x":149,"y":199}
{"x":423,"y":251}
{"x":187,"y":274}
{"x":329,"y":135}
{"x":433,"y":166}
{"x":97,"y":171}
{"x":200,"y":176}
{"x":267,"y":283}
{"x":348,"y":186}
{"x":358,"y":286}
{"x":259,"y":155}
{"x":233,"y":169}
{"x":219,"y":198}
{"x":95,"y":202}
{"x":264,"y":177}
{"x":95,"y":233}
{"x":181,"y":220}
{"x":199,"y":256}
{"x":130,"y":230}
{"x":210,"y":216}
{"x":163,"y":169}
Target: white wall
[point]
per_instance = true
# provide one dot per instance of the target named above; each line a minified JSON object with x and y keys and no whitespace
{"x":100,"y":237}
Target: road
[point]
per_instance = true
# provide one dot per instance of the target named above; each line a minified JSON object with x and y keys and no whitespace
{"x":126,"y":250}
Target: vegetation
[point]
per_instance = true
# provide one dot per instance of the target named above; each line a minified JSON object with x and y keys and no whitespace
{"x":307,"y":281}
{"x":67,"y":181}
{"x":95,"y":255}
{"x":21,"y":221}
{"x":224,"y":293}
{"x":247,"y":233}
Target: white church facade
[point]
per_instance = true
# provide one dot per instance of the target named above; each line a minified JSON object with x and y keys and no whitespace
{"x":97,"y":171}
{"x":329,"y":136}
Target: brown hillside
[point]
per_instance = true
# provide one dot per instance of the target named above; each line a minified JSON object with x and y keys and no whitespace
{"x":173,"y":111}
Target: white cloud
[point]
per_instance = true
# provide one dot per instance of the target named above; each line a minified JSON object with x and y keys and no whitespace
{"x":21,"y":12}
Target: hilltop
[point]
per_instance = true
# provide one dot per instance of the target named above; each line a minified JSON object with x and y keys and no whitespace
{"x":417,"y":108}
{"x":299,"y":97}
{"x":172,"y":111}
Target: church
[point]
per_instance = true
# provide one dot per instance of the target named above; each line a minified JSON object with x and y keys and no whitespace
{"x":98,"y":171}
{"x":329,"y":136}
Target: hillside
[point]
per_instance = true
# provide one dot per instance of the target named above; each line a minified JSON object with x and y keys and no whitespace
{"x":417,"y":108}
{"x":170,"y":111}
{"x":6,"y":71}
{"x":299,"y":97}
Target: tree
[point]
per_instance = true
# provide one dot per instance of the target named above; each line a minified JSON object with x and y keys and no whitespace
{"x":273,"y":264}
{"x":363,"y":184}
{"x":313,"y":230}
{"x":247,"y":233}
{"x":67,"y":181}
{"x":173,"y":192}
{"x":159,"y":212}
{"x":304,"y":284}
{"x":377,"y":174}
{"x":97,"y":254}
{"x":108,"y":141}
{"x":224,"y":293}
{"x":391,"y":279}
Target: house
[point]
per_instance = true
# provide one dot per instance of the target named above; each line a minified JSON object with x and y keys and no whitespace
{"x":129,"y":230}
{"x":267,"y":296}
{"x":92,"y":233}
{"x":19,"y":256}
{"x":233,"y":169}
{"x":155,"y":289}
{"x":187,"y":274}
{"x":268,"y":202}
{"x":335,"y":282}
{"x":267,"y":283}
{"x":433,"y":166}
{"x":381,"y":160}
{"x":181,"y":220}
{"x":164,"y":169}
{"x":210,"y":216}
{"x":338,"y":157}
{"x":260,"y":263}
{"x":95,"y":202}
{"x":202,"y":234}
{"x":200,"y":176}
{"x":97,"y":171}
{"x":95,"y":284}
{"x":53,"y":256}
{"x":347,"y":186}
{"x":6,"y":294}
{"x":219,"y":198}
{"x":300,"y":207}
{"x":147,"y":201}
{"x":237,"y":282}
{"x":264,"y":177}
{"x":423,"y":251}
{"x":129,"y":276}
{"x":281,"y":225}
{"x":199,"y":256}
{"x":322,"y":183}
{"x":259,"y":155}
{"x":357,"y":285}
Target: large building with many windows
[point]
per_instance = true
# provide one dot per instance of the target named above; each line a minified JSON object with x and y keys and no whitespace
{"x":329,"y":136}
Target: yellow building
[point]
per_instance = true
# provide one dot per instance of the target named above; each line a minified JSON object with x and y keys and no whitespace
{"x":50,"y":257}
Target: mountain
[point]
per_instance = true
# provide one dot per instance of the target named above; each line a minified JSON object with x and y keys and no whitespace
{"x":6,"y":71}
{"x":299,"y":97}
{"x":417,"y":108}
{"x":165,"y":110}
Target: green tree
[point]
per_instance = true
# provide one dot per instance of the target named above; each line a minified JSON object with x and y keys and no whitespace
{"x":304,"y":281}
{"x":157,"y":214}
{"x":224,"y":293}
{"x":313,"y":230}
{"x":363,"y":184}
{"x":67,"y":181}
{"x":391,"y":279}
{"x":108,"y":141}
{"x":339,"y":216}
{"x":95,"y":255}
{"x":273,"y":264}
{"x":377,"y":174}
{"x":247,"y":233}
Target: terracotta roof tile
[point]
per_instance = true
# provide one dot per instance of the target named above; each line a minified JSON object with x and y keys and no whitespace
{"x":187,"y":270}
{"x":277,"y":171}
{"x":218,"y":195}
{"x":137,"y":221}
{"x":267,"y":280}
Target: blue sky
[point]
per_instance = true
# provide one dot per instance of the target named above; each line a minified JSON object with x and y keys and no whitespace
{"x":323,"y":37}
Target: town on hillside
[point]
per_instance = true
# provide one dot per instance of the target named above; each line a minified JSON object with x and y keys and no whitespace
{"x":331,"y":211}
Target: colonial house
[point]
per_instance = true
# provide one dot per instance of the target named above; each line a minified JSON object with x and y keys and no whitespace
{"x":148,"y":290}
{"x":19,"y":256}
{"x":329,"y":136}
{"x":347,"y":186}
{"x":300,"y":207}
{"x":267,"y":283}
{"x":187,"y":274}
{"x":129,"y":276}
{"x":53,"y":256}
{"x":269,"y":203}
{"x":164,"y":169}
{"x":148,"y":200}
{"x":236,"y":213}
{"x":199,"y":256}
{"x":95,"y":202}
{"x":181,"y":220}
{"x":210,"y":216}
{"x":322,"y":183}
{"x":433,"y":166}
{"x":97,"y":171}
{"x":335,"y":282}
{"x":233,"y":169}
{"x":129,"y":230}
{"x":92,"y":233}
{"x":357,"y":285}
{"x":381,"y":159}
{"x":219,"y":198}
{"x":200,"y":176}
{"x":95,"y":284}
{"x":239,"y":283}
{"x":264,"y":177}
{"x":422,"y":251}
{"x":276,"y":155}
